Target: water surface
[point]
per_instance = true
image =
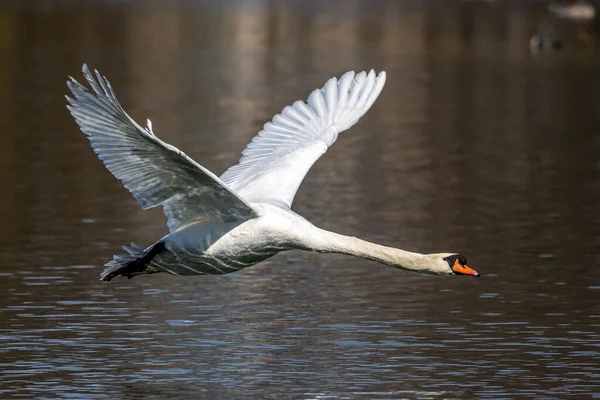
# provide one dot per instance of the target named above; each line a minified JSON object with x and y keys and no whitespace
{"x":475,"y":145}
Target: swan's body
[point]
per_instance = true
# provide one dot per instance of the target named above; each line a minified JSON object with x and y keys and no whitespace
{"x":221,"y":225}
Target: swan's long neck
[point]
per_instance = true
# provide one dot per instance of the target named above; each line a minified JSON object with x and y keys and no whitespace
{"x":330,"y":242}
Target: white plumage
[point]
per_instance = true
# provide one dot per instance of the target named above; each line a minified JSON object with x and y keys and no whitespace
{"x":220,"y":225}
{"x":281,"y":154}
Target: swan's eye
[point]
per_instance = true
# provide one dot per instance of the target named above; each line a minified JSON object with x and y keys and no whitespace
{"x":453,"y":259}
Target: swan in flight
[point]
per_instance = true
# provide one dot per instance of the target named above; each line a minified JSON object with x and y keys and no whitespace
{"x":222,"y":224}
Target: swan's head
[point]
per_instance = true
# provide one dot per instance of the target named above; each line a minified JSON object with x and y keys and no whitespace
{"x":458,"y":265}
{"x":449,"y":264}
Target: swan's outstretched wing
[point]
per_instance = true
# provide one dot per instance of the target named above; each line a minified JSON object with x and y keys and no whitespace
{"x":274,"y":164}
{"x":153,"y":171}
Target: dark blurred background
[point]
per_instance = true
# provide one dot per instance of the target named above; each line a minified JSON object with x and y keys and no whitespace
{"x":485,"y":140}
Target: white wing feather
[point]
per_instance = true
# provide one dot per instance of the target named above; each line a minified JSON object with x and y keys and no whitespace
{"x":275,"y":162}
{"x":154,"y":172}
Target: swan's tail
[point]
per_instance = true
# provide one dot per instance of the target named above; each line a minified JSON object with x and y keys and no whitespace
{"x":131,"y":264}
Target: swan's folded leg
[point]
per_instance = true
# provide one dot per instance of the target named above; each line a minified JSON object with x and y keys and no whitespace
{"x":131,"y":264}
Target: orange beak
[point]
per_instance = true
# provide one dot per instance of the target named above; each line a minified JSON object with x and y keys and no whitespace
{"x":460,"y":269}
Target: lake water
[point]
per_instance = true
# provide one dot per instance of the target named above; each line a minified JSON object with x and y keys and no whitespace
{"x":475,"y":146}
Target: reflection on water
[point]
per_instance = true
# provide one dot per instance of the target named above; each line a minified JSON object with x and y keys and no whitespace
{"x":475,"y":146}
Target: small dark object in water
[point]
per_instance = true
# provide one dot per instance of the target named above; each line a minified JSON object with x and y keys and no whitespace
{"x":538,"y":43}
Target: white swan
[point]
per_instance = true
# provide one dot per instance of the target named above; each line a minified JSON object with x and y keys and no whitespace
{"x":221,"y":225}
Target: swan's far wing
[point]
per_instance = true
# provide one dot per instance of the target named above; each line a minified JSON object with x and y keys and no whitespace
{"x":154,"y":172}
{"x":275,"y":162}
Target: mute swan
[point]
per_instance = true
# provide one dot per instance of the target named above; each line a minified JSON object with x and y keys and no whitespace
{"x":222,"y":224}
